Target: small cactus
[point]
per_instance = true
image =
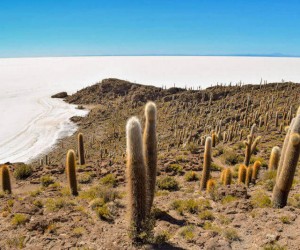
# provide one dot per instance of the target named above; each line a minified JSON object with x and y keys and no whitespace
{"x":214,"y":138}
{"x":206,"y":163}
{"x":71,"y":172}
{"x":274,"y":158}
{"x":211,"y":185}
{"x":5,"y":179}
{"x":255,"y":168}
{"x":150,"y":152}
{"x":81,"y":149}
{"x":227,"y":177}
{"x":242,"y":174}
{"x":136,"y":177}
{"x":249,"y":175}
{"x":222,"y":177}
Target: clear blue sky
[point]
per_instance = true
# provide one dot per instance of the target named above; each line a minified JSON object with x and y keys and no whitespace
{"x":139,"y":27}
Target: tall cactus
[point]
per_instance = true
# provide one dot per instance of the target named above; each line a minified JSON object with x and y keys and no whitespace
{"x":274,"y":158}
{"x":71,"y":172}
{"x":250,"y":144}
{"x":5,"y":179}
{"x":150,"y":152}
{"x":81,"y":149}
{"x":206,"y":163}
{"x":287,"y":164}
{"x":136,"y":177}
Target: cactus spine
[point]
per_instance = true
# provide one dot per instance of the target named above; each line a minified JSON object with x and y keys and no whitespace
{"x":150,"y":152}
{"x":81,"y":149}
{"x":242,"y":174}
{"x":136,"y":177}
{"x":71,"y":172}
{"x":274,"y":158}
{"x":5,"y":179}
{"x":287,"y":164}
{"x":227,"y":177}
{"x":206,"y":163}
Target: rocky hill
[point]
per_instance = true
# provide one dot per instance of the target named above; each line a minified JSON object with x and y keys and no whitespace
{"x":41,"y":214}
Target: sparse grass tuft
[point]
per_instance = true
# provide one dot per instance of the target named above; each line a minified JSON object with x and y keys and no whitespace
{"x":109,"y":180}
{"x":168,"y":183}
{"x":191,"y":176}
{"x":187,"y":232}
{"x":47,"y":180}
{"x":230,"y":234}
{"x":232,"y":158}
{"x":206,"y":215}
{"x":228,"y":199}
{"x":19,"y":219}
{"x":85,"y":178}
{"x":174,"y":169}
{"x":260,"y":199}
{"x":285,"y":219}
{"x":78,"y":231}
{"x":192,"y":206}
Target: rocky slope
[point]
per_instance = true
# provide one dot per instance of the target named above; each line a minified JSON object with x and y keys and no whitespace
{"x":41,"y":214}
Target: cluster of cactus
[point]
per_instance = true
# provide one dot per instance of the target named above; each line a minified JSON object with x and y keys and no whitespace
{"x":226,"y":177}
{"x":141,"y":169}
{"x":287,"y":163}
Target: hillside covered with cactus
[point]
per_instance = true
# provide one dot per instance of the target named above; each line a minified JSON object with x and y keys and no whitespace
{"x":193,"y":169}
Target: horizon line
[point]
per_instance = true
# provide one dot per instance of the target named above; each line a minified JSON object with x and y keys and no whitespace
{"x":149,"y":55}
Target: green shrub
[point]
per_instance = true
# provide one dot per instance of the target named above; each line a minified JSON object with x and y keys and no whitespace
{"x":191,"y":176}
{"x":231,"y":234}
{"x":192,"y":206}
{"x":109,"y":179}
{"x":85,"y":178}
{"x":215,"y":167}
{"x":206,"y":215}
{"x":19,"y":219}
{"x":78,"y":231}
{"x":192,"y":147}
{"x":46,"y":180}
{"x":260,"y":199}
{"x":99,"y":191}
{"x":285,"y":219}
{"x":23,"y":171}
{"x":54,"y":205}
{"x":104,"y":213}
{"x":187,"y":232}
{"x":232,"y":158}
{"x":228,"y":199}
{"x":174,"y":169}
{"x":162,"y":237}
{"x":168,"y":183}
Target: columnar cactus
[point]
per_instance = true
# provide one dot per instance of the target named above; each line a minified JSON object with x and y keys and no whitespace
{"x":250,"y":144}
{"x":274,"y":158}
{"x":227,"y":177}
{"x":255,"y":168}
{"x":150,"y":152}
{"x":81,"y":149}
{"x":249,"y":175}
{"x":71,"y":172}
{"x":5,"y":179}
{"x":287,"y":164}
{"x":136,"y":177}
{"x":213,"y":136}
{"x":242,"y":174}
{"x":206,"y":163}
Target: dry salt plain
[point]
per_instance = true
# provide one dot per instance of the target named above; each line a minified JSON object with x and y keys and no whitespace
{"x":31,"y":122}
